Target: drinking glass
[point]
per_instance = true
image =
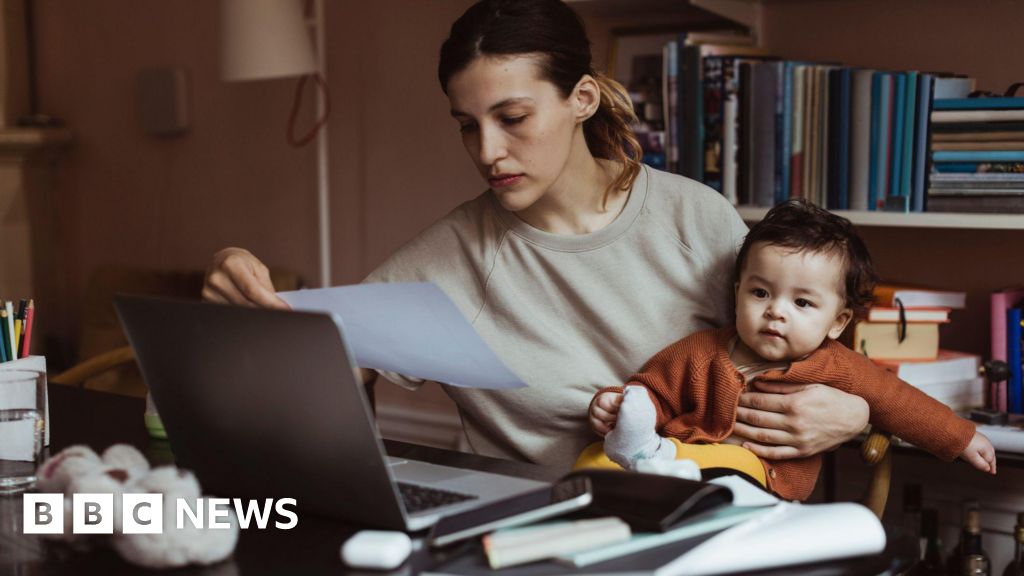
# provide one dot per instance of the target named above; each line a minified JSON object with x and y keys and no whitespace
{"x":22,"y":428}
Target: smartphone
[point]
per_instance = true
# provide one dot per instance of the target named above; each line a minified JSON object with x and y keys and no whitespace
{"x":559,"y":498}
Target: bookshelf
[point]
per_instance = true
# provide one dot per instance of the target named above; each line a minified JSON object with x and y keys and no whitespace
{"x":913,"y":220}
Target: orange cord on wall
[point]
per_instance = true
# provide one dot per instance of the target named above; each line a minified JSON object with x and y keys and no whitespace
{"x":321,"y":84}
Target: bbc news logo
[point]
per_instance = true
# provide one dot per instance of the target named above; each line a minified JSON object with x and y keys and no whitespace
{"x":144,"y":513}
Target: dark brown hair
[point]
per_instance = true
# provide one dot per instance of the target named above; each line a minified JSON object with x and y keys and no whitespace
{"x":803,"y":227}
{"x":551,"y":30}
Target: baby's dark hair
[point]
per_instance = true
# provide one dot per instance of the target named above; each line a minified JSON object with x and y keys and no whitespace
{"x":803,"y":227}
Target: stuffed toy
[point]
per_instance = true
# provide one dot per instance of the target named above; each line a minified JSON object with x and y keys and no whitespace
{"x":123,"y":469}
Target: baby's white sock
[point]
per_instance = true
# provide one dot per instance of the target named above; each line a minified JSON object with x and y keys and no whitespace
{"x":634,"y":437}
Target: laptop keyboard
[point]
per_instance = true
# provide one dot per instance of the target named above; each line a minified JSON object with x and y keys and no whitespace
{"x":418,"y":498}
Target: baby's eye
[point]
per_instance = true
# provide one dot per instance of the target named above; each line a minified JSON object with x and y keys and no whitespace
{"x":759,"y":292}
{"x":803,"y":303}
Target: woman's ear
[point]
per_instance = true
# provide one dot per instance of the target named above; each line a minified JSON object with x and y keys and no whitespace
{"x":586,"y":98}
{"x":840,"y":323}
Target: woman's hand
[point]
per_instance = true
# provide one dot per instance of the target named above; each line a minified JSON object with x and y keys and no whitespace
{"x":604,"y":411}
{"x":783,"y":421}
{"x":238,"y":277}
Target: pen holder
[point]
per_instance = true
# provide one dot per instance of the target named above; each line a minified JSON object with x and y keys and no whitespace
{"x":33,"y":364}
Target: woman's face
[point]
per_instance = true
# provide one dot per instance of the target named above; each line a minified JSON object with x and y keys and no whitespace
{"x":517,"y":128}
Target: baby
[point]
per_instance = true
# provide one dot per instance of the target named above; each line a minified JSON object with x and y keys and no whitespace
{"x":802,"y":275}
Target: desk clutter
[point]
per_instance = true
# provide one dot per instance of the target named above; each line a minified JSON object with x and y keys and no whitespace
{"x":723,"y":525}
{"x":123,"y":469}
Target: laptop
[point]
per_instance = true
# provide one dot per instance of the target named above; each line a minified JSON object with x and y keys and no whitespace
{"x":265,"y":403}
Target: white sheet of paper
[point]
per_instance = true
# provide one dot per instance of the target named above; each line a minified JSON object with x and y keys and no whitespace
{"x":788,"y":534}
{"x":411,"y":328}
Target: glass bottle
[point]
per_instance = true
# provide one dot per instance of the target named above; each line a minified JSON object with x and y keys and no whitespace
{"x":955,"y":559}
{"x":974,"y":561}
{"x":931,"y":564}
{"x":912,"y":498}
{"x":1016,"y":568}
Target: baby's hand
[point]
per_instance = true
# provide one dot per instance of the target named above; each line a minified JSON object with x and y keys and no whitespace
{"x":604,"y":410}
{"x":981,"y":454}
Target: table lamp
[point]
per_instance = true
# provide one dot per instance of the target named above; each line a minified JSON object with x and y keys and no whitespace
{"x":266,"y":39}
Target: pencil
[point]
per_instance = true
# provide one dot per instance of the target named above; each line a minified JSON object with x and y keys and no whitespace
{"x":19,"y":324}
{"x":9,"y":308}
{"x":26,"y":339}
{"x":6,"y":336}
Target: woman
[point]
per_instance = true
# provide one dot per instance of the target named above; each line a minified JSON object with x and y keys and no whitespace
{"x":579,"y":262}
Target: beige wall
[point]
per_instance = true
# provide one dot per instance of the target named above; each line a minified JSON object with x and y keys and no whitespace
{"x":396,"y":163}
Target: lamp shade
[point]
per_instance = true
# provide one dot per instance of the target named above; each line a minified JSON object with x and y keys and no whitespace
{"x":262,"y":39}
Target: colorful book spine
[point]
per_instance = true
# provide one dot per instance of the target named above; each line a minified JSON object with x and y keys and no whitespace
{"x":978,"y":156}
{"x":999,"y":303}
{"x":919,"y":179}
{"x":899,"y":112}
{"x":979,"y":103}
{"x":876,"y":120}
{"x":1013,"y":358}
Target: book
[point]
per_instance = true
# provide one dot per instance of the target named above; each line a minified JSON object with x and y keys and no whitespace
{"x":894,"y":199}
{"x":997,"y":103}
{"x":948,"y":366}
{"x":796,"y":152}
{"x":860,"y":138}
{"x":516,"y":546}
{"x":978,"y":156}
{"x":920,"y":177}
{"x":980,"y":145}
{"x":959,"y":395}
{"x":910,"y":315}
{"x":1002,"y":203}
{"x":999,"y":302}
{"x":948,"y":86}
{"x":911,"y":297}
{"x":979,"y":167}
{"x":881,"y":340}
{"x":669,"y":87}
{"x":1012,"y":115}
{"x":1013,"y":359}
{"x":981,"y":136}
{"x":763,"y":97}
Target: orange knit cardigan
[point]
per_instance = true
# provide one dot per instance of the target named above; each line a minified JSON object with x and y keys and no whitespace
{"x":696,"y":388}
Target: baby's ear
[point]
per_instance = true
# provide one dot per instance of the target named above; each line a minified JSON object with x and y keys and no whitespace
{"x":840,"y":323}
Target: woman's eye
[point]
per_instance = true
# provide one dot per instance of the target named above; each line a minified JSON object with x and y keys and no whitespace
{"x":760,"y":292}
{"x":513,"y":120}
{"x":802,"y":303}
{"x":464,"y":128}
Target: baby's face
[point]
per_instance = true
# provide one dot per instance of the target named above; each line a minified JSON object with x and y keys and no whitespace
{"x":788,"y":302}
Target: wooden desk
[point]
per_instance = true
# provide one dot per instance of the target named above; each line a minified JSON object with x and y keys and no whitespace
{"x":99,"y":420}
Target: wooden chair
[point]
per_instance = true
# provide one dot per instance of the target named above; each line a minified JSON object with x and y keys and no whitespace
{"x":875,"y":454}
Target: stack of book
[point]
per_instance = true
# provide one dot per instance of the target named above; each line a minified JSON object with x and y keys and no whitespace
{"x":977,"y":155}
{"x":1007,"y":342}
{"x":762,"y":130}
{"x":901,"y":334}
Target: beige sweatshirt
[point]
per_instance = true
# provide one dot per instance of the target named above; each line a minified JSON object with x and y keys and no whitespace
{"x":573,"y":314}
